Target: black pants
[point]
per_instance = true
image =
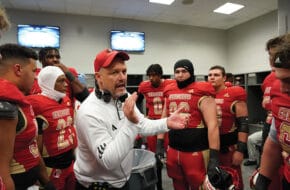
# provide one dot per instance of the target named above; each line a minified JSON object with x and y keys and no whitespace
{"x":24,"y":180}
{"x":93,"y":187}
{"x":159,"y":166}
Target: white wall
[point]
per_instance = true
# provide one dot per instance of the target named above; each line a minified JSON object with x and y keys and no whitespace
{"x":240,"y":49}
{"x":83,"y":36}
{"x":246,"y":44}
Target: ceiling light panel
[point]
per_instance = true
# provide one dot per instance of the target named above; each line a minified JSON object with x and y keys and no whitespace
{"x":228,"y":8}
{"x":164,"y":2}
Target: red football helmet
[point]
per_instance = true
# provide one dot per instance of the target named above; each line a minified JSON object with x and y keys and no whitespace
{"x":232,"y":181}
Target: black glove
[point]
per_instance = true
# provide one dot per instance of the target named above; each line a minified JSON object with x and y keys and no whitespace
{"x":262,"y":182}
{"x":49,"y":186}
{"x":160,"y":149}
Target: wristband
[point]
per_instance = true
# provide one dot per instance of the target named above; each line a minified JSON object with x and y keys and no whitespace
{"x":69,"y":76}
{"x":262,"y":182}
{"x":243,"y":124}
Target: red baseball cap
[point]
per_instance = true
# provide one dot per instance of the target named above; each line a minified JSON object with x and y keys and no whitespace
{"x":105,"y":58}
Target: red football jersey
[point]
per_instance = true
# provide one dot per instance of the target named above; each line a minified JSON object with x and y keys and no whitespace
{"x":225,"y":100}
{"x":154,"y":97}
{"x":189,"y":98}
{"x":266,"y":89}
{"x":281,"y":112}
{"x":59,"y":135}
{"x":26,"y":155}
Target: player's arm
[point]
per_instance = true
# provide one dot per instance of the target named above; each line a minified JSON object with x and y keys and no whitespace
{"x":208,"y":109}
{"x":80,"y":92}
{"x":241,"y":111}
{"x":8,"y":122}
{"x":271,"y":158}
{"x":160,"y":149}
{"x":41,"y":126}
{"x":43,"y":176}
{"x":163,"y":115}
{"x":270,"y":161}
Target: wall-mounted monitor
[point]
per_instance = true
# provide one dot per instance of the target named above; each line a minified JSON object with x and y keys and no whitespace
{"x":127,"y":41}
{"x":38,"y":36}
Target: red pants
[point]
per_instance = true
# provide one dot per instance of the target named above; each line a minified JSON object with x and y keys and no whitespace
{"x":187,"y":169}
{"x":63,"y":179}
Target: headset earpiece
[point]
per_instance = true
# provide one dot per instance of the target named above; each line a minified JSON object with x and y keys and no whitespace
{"x":106,"y":95}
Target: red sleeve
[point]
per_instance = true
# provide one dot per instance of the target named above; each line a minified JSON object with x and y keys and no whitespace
{"x":228,"y":84}
{"x":141,"y":87}
{"x":268,"y":81}
{"x":73,"y":71}
{"x":33,"y":100}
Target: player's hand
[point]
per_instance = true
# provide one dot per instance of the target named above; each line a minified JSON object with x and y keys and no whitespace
{"x":177,"y":120}
{"x":129,"y":110}
{"x":238,"y":158}
{"x":160,"y":151}
{"x":62,"y":67}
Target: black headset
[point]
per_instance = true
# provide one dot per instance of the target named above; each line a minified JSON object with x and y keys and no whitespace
{"x":106,"y":95}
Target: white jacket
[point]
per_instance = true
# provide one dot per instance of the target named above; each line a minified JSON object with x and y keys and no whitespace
{"x":106,"y":139}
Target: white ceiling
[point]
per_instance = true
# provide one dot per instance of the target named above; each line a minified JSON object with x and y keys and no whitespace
{"x":200,"y":13}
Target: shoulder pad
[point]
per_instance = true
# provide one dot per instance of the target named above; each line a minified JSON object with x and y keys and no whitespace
{"x":238,"y":92}
{"x":204,"y":88}
{"x":8,"y":110}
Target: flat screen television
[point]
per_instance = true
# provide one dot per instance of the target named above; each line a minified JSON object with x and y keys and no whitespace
{"x":38,"y":36}
{"x":127,"y":41}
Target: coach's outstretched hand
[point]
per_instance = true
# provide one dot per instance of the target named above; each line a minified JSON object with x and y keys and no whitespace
{"x":177,"y":120}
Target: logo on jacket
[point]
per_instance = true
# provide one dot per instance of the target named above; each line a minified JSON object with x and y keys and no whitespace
{"x":101,"y":150}
{"x":114,"y":128}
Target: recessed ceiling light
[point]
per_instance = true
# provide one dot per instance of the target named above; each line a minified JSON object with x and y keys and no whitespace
{"x":228,"y":8}
{"x":165,"y":2}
